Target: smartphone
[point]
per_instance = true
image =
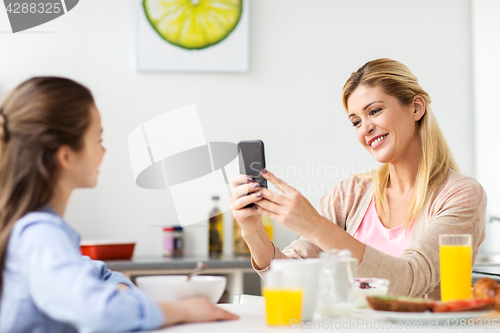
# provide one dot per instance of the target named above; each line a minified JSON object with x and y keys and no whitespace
{"x":252,"y":160}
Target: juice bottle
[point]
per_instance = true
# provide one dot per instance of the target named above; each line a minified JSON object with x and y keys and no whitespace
{"x":268,"y":226}
{"x":240,"y":246}
{"x":215,"y":230}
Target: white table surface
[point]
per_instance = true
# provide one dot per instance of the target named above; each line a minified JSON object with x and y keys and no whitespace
{"x":252,"y":320}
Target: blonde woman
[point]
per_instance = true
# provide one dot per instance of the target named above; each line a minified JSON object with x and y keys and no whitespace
{"x":391,"y":217}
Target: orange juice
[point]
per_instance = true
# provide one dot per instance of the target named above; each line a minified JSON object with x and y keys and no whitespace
{"x":456,"y":271}
{"x":282,"y":305}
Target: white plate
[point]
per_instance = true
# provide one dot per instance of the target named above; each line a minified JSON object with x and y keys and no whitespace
{"x":427,"y":317}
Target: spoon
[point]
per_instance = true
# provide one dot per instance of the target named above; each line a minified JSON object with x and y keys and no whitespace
{"x":200,"y":265}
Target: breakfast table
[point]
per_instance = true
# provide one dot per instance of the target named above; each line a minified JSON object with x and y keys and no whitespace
{"x":252,"y":320}
{"x":252,"y":316}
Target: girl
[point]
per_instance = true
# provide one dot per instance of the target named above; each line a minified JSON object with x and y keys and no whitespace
{"x":50,"y":144}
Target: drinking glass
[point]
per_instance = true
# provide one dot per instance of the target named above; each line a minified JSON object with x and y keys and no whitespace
{"x":455,"y":255}
{"x":283,"y":293}
{"x":309,"y":270}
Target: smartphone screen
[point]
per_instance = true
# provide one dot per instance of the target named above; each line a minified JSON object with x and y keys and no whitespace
{"x":252,"y":160}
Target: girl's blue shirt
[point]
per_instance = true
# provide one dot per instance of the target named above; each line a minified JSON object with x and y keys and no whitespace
{"x":48,"y":286}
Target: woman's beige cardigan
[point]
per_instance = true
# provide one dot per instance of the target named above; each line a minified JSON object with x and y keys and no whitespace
{"x":457,"y":207}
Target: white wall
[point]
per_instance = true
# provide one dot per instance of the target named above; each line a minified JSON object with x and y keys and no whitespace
{"x":301,"y":53}
{"x":486,"y":46}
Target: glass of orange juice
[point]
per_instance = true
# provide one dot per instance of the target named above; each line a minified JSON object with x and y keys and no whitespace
{"x":455,"y":256}
{"x":283,"y":293}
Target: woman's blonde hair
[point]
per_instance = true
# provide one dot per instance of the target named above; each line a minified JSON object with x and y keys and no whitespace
{"x":398,"y":81}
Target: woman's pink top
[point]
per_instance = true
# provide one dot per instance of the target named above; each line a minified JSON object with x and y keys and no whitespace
{"x":372,"y":232}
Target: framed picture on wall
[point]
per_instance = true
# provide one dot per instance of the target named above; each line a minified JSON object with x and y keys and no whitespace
{"x":192,"y":35}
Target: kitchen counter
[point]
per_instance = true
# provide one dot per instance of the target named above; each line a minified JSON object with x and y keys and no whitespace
{"x":182,"y":263}
{"x":487,"y":265}
{"x":491,"y":271}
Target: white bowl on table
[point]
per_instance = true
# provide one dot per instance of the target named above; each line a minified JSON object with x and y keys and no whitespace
{"x":171,"y":288}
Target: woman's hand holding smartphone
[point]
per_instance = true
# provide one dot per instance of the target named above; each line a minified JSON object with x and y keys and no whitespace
{"x":291,"y":209}
{"x":252,"y":161}
{"x":247,"y":185}
{"x":246,"y":192}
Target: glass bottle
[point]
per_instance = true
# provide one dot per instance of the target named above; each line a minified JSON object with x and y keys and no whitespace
{"x":215,"y":230}
{"x":268,"y":226}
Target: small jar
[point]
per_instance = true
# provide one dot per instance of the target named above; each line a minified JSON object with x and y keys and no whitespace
{"x":178,"y":242}
{"x":173,"y":241}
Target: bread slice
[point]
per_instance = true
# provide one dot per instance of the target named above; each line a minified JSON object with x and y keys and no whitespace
{"x":399,"y":304}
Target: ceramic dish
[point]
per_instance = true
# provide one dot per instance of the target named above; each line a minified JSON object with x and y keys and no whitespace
{"x":108,"y":250}
{"x":451,"y":319}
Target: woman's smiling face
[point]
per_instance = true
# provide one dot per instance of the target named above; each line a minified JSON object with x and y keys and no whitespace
{"x":387,"y":129}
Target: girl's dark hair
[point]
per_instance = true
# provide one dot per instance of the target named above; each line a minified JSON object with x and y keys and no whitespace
{"x":36,"y":118}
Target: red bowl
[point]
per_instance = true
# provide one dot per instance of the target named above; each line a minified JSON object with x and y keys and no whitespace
{"x":107,"y":250}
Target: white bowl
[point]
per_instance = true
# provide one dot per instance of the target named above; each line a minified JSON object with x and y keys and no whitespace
{"x":369,"y":287}
{"x":171,"y":288}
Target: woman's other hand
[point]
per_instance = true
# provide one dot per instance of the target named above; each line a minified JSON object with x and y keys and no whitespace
{"x":248,"y":218}
{"x":192,"y":310}
{"x":292,"y":210}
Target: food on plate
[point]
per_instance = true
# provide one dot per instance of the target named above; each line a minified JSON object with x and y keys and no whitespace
{"x":486,"y":288}
{"x":464,"y":305}
{"x":408,"y":304}
{"x":399,"y":304}
{"x":486,"y":293}
{"x":497,"y":298}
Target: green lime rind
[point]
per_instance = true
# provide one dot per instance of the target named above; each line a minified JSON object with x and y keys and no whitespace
{"x":191,"y":48}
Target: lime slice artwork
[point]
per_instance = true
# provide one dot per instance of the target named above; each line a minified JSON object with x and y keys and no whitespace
{"x":193,"y":24}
